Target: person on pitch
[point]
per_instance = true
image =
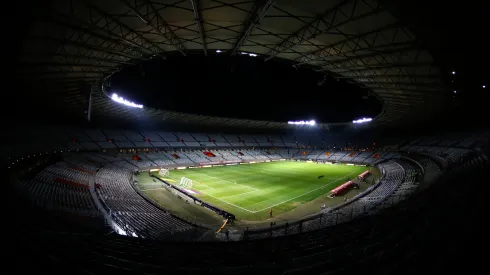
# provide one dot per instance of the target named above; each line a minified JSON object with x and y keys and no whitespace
{"x":270,"y":213}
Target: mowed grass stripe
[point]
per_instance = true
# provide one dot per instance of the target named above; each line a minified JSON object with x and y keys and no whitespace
{"x":281,"y":185}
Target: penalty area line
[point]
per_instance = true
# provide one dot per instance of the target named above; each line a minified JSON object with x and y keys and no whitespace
{"x":323,"y":186}
{"x":240,"y":194}
{"x":234,"y":181}
{"x":226,"y":202}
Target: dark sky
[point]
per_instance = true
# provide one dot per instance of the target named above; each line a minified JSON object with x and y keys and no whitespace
{"x":242,"y":87}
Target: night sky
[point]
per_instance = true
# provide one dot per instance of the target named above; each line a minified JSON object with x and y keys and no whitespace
{"x":242,"y":87}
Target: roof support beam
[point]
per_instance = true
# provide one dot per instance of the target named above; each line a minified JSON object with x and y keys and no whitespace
{"x":436,"y":85}
{"x":343,"y":13}
{"x":158,"y":24}
{"x":418,"y":92}
{"x":331,"y":49}
{"x":79,"y":45}
{"x":376,"y":59}
{"x":57,"y":64}
{"x":388,"y":76}
{"x":116,"y":28}
{"x":69,"y":58}
{"x":378,"y":67}
{"x":402,"y":86}
{"x":63,"y":70}
{"x":65,"y":21}
{"x":200,"y":29}
{"x":388,"y":48}
{"x":260,"y":9}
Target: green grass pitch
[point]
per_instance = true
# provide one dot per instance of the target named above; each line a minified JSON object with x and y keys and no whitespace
{"x":249,"y":191}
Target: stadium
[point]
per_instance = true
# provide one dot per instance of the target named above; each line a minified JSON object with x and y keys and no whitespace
{"x":238,"y":137}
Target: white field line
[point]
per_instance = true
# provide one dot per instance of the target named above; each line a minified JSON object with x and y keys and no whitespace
{"x":240,"y":194}
{"x":204,"y":185}
{"x":234,"y":182}
{"x":219,"y":198}
{"x":227,"y":202}
{"x":299,"y":195}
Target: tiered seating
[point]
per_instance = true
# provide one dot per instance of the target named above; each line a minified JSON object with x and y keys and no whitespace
{"x":276,"y":141}
{"x":228,"y":155}
{"x":247,"y":140}
{"x":313,"y":154}
{"x":51,"y":195}
{"x":181,"y":160}
{"x":118,"y":139}
{"x":160,"y":159}
{"x":171,"y":139}
{"x":349,"y":156}
{"x":127,"y":165}
{"x":233,"y":140}
{"x":217,"y":156}
{"x":388,"y":243}
{"x":141,"y":163}
{"x":136,"y":138}
{"x":196,"y":156}
{"x":130,"y":211}
{"x":338,"y":155}
{"x":362,"y":156}
{"x":154,"y":139}
{"x":289,"y":141}
{"x":61,"y":171}
{"x":219,"y":140}
{"x":81,"y":163}
{"x":255,"y":154}
{"x":59,"y":188}
{"x":288,"y":153}
{"x":272,"y":154}
{"x":200,"y":139}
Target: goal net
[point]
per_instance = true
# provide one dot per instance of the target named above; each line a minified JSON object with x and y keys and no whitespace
{"x":185,"y":183}
{"x":163,"y":172}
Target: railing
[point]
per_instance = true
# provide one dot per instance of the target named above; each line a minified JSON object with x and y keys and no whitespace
{"x":102,"y":207}
{"x":218,"y":211}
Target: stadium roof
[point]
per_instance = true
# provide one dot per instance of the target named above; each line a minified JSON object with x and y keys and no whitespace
{"x":74,"y":45}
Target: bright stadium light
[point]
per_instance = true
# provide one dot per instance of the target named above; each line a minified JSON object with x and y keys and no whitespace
{"x":362,"y":120}
{"x":219,"y":51}
{"x":302,"y":122}
{"x":121,"y":100}
{"x":249,"y":54}
{"x":483,"y":86}
{"x":453,"y":72}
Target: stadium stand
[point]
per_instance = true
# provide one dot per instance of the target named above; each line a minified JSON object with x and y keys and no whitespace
{"x":387,"y":222}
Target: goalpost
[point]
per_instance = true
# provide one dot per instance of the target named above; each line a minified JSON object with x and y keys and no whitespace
{"x":185,"y":183}
{"x":164,"y":172}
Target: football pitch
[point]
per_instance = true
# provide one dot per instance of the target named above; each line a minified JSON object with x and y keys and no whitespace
{"x":249,"y":191}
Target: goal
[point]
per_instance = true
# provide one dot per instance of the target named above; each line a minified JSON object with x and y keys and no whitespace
{"x":163,"y":172}
{"x":185,"y":183}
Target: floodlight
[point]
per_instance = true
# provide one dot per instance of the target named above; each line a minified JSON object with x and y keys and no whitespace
{"x":121,"y":100}
{"x":302,"y":122}
{"x":362,"y":120}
